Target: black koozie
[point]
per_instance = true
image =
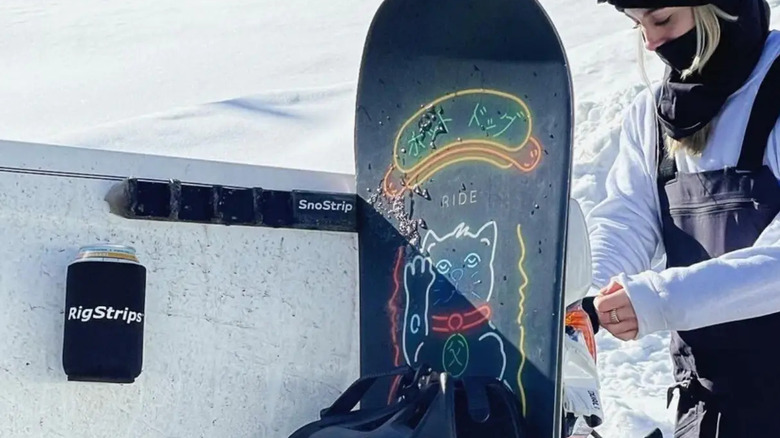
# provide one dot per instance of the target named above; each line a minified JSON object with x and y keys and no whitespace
{"x":104,"y":321}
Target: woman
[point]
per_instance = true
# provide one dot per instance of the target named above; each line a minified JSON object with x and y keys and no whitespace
{"x":707,"y":194}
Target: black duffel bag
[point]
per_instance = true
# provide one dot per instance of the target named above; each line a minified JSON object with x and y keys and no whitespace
{"x":427,"y":405}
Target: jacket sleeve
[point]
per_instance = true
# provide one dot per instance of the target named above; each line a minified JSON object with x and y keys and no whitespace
{"x":738,"y":285}
{"x":624,"y":228}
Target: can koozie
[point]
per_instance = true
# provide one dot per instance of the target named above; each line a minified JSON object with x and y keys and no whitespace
{"x":104,"y":315}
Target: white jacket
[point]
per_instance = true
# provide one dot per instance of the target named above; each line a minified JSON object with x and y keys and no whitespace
{"x":625,"y":228}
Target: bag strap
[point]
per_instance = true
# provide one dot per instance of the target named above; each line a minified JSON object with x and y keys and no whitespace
{"x":763,"y":118}
{"x":489,"y":401}
{"x":477,"y":401}
{"x":667,"y":167}
{"x":438,"y":419}
{"x":512,"y":403}
{"x":355,"y":392}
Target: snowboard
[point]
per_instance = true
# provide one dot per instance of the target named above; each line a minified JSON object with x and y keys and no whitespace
{"x":463,"y":141}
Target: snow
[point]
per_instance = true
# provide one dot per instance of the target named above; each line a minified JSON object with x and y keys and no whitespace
{"x":272,"y":83}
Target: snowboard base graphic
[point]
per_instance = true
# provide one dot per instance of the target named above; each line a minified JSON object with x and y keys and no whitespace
{"x":463,"y":150}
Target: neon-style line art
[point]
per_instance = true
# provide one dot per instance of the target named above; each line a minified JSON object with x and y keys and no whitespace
{"x":456,"y":322}
{"x":454,"y":334}
{"x":476,"y":145}
{"x":521,"y":311}
{"x":467,"y":126}
{"x":440,"y":289}
{"x":394,"y":305}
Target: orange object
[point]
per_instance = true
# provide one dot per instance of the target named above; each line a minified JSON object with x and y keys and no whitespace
{"x":579,"y":320}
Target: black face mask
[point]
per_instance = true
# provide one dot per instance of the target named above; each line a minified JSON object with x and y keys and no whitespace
{"x":686,"y":105}
{"x":679,"y":52}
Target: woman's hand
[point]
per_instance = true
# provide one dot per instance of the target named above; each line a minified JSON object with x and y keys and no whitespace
{"x":616,"y":313}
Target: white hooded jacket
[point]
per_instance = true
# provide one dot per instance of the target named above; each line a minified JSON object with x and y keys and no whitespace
{"x":625,"y":229}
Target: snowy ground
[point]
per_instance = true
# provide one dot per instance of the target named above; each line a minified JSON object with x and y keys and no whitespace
{"x":229,"y":79}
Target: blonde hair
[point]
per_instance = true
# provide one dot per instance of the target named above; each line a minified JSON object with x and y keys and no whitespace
{"x":707,"y":39}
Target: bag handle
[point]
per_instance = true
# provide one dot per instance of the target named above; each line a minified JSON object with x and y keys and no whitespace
{"x":487,"y":396}
{"x":352,"y":395}
{"x":519,"y":427}
{"x":477,"y":402}
{"x":439,"y":418}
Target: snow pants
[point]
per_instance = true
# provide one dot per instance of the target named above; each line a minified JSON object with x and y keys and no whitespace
{"x":701,"y":415}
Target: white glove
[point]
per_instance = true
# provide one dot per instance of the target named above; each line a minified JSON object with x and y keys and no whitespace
{"x":578,"y":274}
{"x":581,"y":400}
{"x":581,"y":386}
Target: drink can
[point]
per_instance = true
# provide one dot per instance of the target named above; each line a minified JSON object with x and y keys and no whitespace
{"x":104,"y":315}
{"x":107,"y":253}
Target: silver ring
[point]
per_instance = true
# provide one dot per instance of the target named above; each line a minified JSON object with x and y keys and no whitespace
{"x":613,"y":316}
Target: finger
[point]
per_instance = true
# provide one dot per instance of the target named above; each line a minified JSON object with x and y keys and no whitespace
{"x":623,"y":314}
{"x":627,"y":336}
{"x":611,"y":288}
{"x":605,"y":319}
{"x":416,"y":266}
{"x":612,"y":301}
{"x":627,"y":312}
{"x":622,"y":327}
{"x":427,"y":266}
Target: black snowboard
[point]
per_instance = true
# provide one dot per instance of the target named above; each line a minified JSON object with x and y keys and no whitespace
{"x":463,"y":155}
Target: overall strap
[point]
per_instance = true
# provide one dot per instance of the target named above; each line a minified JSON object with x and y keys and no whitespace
{"x":763,"y":118}
{"x":667,"y":167}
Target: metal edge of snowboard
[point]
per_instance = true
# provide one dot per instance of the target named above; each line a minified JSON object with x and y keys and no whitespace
{"x":558,"y":421}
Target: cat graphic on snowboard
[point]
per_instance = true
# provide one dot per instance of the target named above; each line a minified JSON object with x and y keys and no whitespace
{"x":447,"y":303}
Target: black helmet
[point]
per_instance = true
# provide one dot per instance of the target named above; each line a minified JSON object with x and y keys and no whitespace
{"x":653,"y":4}
{"x":751,"y":8}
